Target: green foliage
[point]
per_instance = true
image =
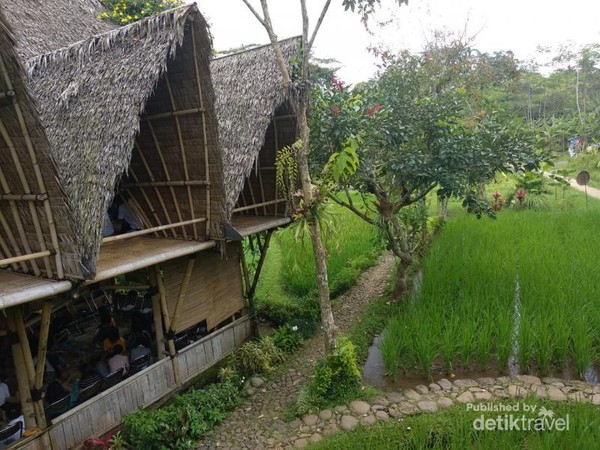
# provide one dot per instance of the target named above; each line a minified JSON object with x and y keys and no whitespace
{"x":336,"y":377}
{"x":286,"y":167}
{"x":452,"y":429}
{"x":257,"y":356}
{"x":127,"y":11}
{"x":287,"y":338}
{"x":180,"y":424}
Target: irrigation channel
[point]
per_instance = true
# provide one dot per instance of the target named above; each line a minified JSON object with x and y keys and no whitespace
{"x":375,"y":373}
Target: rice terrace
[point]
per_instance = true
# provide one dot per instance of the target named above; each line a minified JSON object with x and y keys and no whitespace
{"x":347,"y":224}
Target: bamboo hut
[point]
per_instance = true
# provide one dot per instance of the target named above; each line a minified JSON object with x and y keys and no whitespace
{"x":255,"y":122}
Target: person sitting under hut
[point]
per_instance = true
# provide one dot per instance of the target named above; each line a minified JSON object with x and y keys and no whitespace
{"x":113,"y":338}
{"x":55,"y":392}
{"x":6,"y":400}
{"x":89,"y":375}
{"x":14,"y":416}
{"x":118,"y":360}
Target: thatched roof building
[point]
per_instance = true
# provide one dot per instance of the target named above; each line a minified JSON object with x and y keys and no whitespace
{"x":41,"y":26}
{"x":249,"y":94}
{"x":143,"y":87}
{"x":33,"y":213}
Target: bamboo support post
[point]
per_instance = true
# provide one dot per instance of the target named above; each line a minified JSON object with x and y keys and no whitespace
{"x":27,"y":408}
{"x":148,"y":202}
{"x":166,"y":172}
{"x":43,"y":343}
{"x":164,"y":309}
{"x":205,"y":137}
{"x":249,"y":297}
{"x":183,"y":155}
{"x":121,"y":237}
{"x":156,"y":191}
{"x":38,"y":406}
{"x":261,"y":261}
{"x":156,"y":314}
{"x":25,"y":184}
{"x":182,"y":291}
{"x":276,"y":140}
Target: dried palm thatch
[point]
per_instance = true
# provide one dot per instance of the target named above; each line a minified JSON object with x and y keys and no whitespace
{"x":41,"y":26}
{"x":248,"y":91}
{"x":91,"y":95}
{"x":33,"y":213}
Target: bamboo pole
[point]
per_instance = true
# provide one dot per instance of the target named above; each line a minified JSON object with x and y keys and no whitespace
{"x":171,"y":114}
{"x":205,"y":137}
{"x":243,"y":201}
{"x":182,"y":291}
{"x":21,"y":258}
{"x":19,"y":226}
{"x":261,"y":261}
{"x":27,"y":408}
{"x":38,"y":406}
{"x":276,"y":141}
{"x":270,"y":202}
{"x":186,"y":183}
{"x":40,"y":180}
{"x":167,"y":176}
{"x":150,"y":205}
{"x":164,"y":308}
{"x":260,"y":182}
{"x":120,"y":237}
{"x":249,"y":298}
{"x":165,"y":313}
{"x":183,"y":155}
{"x":43,"y":343}
{"x":156,"y":314}
{"x":156,"y":191}
{"x":248,"y":180}
{"x":25,"y":184}
{"x":25,"y":197}
{"x":137,"y":210}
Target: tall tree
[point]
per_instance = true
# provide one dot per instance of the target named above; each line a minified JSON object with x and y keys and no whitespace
{"x":300,"y":95}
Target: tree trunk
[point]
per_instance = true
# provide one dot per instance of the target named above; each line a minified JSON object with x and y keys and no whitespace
{"x":319,"y":249}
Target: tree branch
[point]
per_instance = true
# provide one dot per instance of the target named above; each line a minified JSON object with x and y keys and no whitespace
{"x":253,"y":11}
{"x":274,"y":42}
{"x":356,"y":211}
{"x":319,"y":22}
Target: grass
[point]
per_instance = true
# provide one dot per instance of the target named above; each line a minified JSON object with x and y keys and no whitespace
{"x":287,"y":286}
{"x":465,"y":309}
{"x":453,"y":429}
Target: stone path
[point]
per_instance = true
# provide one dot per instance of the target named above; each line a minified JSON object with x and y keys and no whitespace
{"x":258,"y":424}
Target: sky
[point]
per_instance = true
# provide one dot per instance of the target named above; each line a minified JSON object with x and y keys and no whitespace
{"x":517,"y":25}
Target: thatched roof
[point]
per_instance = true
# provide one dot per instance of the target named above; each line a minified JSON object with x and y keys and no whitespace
{"x":41,"y":26}
{"x":25,"y":168}
{"x":91,"y":95}
{"x":248,"y":91}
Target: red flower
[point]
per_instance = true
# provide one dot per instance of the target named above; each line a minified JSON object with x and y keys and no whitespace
{"x":336,"y":83}
{"x":496,"y":195}
{"x":335,"y":110}
{"x":373,"y":109}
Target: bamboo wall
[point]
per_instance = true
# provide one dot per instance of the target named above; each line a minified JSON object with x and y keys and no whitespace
{"x":260,"y":186}
{"x":105,"y":411}
{"x":214,"y":292}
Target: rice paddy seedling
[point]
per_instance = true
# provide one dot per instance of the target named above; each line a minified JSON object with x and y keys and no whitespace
{"x":582,"y":344}
{"x":542,"y":343}
{"x":449,"y":343}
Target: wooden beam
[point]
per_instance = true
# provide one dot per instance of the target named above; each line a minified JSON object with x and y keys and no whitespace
{"x":121,"y":237}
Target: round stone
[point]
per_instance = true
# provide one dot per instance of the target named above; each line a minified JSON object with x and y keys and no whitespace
{"x":445,"y":384}
{"x":427,"y":406}
{"x":316,"y":438}
{"x":301,"y":443}
{"x":360,"y":407}
{"x":445,"y":402}
{"x":368,"y":420}
{"x":465,"y":397}
{"x":382,"y":415}
{"x":422,"y":389}
{"x":434,"y":387}
{"x":326,"y":414}
{"x":395,"y":397}
{"x":348,"y":422}
{"x":310,"y":420}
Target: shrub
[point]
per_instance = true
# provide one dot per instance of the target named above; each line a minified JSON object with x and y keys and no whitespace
{"x":287,"y":338}
{"x":257,"y":356}
{"x":336,"y":378}
{"x":183,"y":421}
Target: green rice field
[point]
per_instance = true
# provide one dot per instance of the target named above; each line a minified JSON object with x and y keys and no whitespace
{"x":465,"y":315}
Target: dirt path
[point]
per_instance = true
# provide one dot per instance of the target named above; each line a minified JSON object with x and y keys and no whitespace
{"x":257,"y":424}
{"x":592,"y":192}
